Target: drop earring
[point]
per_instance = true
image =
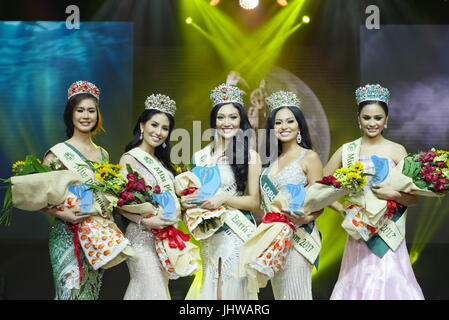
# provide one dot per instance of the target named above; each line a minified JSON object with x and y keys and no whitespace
{"x":386,"y":125}
{"x":164,"y":145}
{"x":299,"y":138}
{"x":141,"y":135}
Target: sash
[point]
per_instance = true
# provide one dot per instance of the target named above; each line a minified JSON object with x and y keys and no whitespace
{"x":392,"y":233}
{"x":202,"y":157}
{"x":350,"y":152}
{"x":306,"y":239}
{"x":161,"y":174}
{"x":234,"y":218}
{"x":239,"y":223}
{"x":71,"y":158}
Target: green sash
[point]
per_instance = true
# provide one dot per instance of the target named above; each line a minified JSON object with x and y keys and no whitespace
{"x":306,"y":239}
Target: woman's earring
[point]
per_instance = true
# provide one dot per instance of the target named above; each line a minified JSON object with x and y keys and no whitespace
{"x":360,"y":126}
{"x":386,"y":126}
{"x":141,"y":135}
{"x":164,"y":145}
{"x":299,"y":138}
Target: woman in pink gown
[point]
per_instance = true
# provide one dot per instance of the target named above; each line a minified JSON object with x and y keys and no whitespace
{"x":363,"y":274}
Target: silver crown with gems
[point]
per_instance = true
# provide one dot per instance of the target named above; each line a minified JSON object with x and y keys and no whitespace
{"x":372,"y":92}
{"x":161,"y":102}
{"x":226,"y":94}
{"x":281,"y":99}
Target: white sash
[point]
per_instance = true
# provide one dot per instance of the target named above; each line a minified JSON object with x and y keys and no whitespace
{"x":160,"y":173}
{"x":308,"y":245}
{"x":234,"y":218}
{"x":393,"y":233}
{"x":72,"y":160}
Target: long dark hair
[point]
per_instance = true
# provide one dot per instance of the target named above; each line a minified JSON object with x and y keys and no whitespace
{"x":163,"y":154}
{"x":238,"y":147}
{"x":68,"y":114}
{"x":306,"y":141}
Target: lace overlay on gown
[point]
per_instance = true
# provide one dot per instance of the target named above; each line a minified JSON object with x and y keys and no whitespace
{"x":148,"y":281}
{"x":294,"y":282}
{"x":223,"y":246}
{"x":365,"y":276}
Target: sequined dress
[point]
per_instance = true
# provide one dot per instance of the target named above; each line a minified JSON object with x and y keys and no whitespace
{"x":365,"y":276}
{"x":65,"y":267}
{"x":294,"y":282}
{"x":148,"y":281}
{"x":220,"y":255}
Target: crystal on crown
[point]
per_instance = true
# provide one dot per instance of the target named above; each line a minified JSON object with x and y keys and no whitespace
{"x":82,"y":86}
{"x":161,"y":102}
{"x":372,"y":92}
{"x":283,"y":99}
{"x":226,"y":94}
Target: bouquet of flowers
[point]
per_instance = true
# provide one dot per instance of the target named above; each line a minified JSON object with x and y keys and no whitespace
{"x":34,"y":186}
{"x":102,"y":242}
{"x":202,"y":223}
{"x":266,"y":251}
{"x":178,"y":257}
{"x":331,"y":188}
{"x":425,"y":174}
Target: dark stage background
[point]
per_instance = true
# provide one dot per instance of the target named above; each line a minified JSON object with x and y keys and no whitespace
{"x":132,"y":48}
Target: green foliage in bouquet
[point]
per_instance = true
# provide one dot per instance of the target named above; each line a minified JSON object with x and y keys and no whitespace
{"x":31,"y":165}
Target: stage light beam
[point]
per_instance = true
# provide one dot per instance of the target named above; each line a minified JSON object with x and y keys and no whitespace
{"x":189,"y":20}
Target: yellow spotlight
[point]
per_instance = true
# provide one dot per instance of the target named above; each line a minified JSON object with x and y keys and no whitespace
{"x":213,"y":3}
{"x":248,"y":4}
{"x":305,"y":19}
{"x":189,"y":20}
{"x":282,"y":3}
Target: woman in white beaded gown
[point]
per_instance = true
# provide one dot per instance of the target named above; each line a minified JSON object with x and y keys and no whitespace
{"x":295,"y":163}
{"x":148,"y":280}
{"x":239,"y":172}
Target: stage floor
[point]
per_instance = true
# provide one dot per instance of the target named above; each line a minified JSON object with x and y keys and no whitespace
{"x":25,"y":273}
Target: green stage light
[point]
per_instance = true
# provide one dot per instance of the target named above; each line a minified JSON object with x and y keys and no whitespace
{"x":305,"y":19}
{"x":189,"y":20}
